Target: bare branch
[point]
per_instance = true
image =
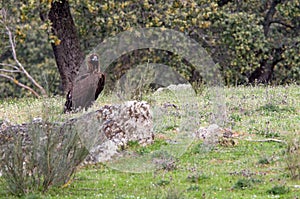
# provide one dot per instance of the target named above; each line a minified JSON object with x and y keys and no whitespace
{"x":12,"y":43}
{"x":14,"y":53}
{"x":269,"y":16}
{"x":268,"y":140}
{"x":10,"y":71}
{"x":282,"y":23}
{"x":10,"y":65}
{"x":20,"y":84}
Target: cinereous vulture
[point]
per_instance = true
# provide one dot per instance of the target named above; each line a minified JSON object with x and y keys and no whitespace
{"x":87,"y":86}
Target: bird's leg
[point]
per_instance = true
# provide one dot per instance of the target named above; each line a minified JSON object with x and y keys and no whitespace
{"x":68,"y":104}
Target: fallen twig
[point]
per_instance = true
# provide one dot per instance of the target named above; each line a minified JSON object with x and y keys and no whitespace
{"x":268,"y":140}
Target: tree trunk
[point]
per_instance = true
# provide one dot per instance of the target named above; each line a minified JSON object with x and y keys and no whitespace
{"x":264,"y":73}
{"x":269,"y":16}
{"x":68,"y":54}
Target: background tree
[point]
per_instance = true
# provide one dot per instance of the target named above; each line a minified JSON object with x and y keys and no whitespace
{"x":261,"y":39}
{"x":253,"y":41}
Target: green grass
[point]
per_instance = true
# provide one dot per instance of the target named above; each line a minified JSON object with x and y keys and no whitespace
{"x":249,"y":169}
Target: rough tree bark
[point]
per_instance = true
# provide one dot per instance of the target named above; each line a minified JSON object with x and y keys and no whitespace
{"x":68,"y":54}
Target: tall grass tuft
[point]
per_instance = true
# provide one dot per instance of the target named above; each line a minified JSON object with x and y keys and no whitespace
{"x":292,"y":157}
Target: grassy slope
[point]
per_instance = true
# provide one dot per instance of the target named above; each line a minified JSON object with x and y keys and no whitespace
{"x":254,"y":113}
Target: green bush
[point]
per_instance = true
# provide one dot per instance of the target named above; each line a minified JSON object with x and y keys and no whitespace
{"x":42,"y":156}
{"x":278,"y":190}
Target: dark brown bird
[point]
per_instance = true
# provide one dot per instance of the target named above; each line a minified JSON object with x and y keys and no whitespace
{"x":87,"y":86}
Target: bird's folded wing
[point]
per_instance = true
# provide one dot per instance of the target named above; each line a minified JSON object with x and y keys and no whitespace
{"x":100,"y":84}
{"x":84,"y":88}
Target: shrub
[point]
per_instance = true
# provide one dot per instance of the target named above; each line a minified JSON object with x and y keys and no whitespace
{"x":264,"y":160}
{"x":39,"y":156}
{"x":243,"y":184}
{"x":278,"y":190}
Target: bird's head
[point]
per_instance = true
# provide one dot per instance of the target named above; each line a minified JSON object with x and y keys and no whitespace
{"x":93,"y":63}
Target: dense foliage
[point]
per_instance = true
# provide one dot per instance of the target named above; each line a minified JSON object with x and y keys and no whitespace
{"x":244,"y":37}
